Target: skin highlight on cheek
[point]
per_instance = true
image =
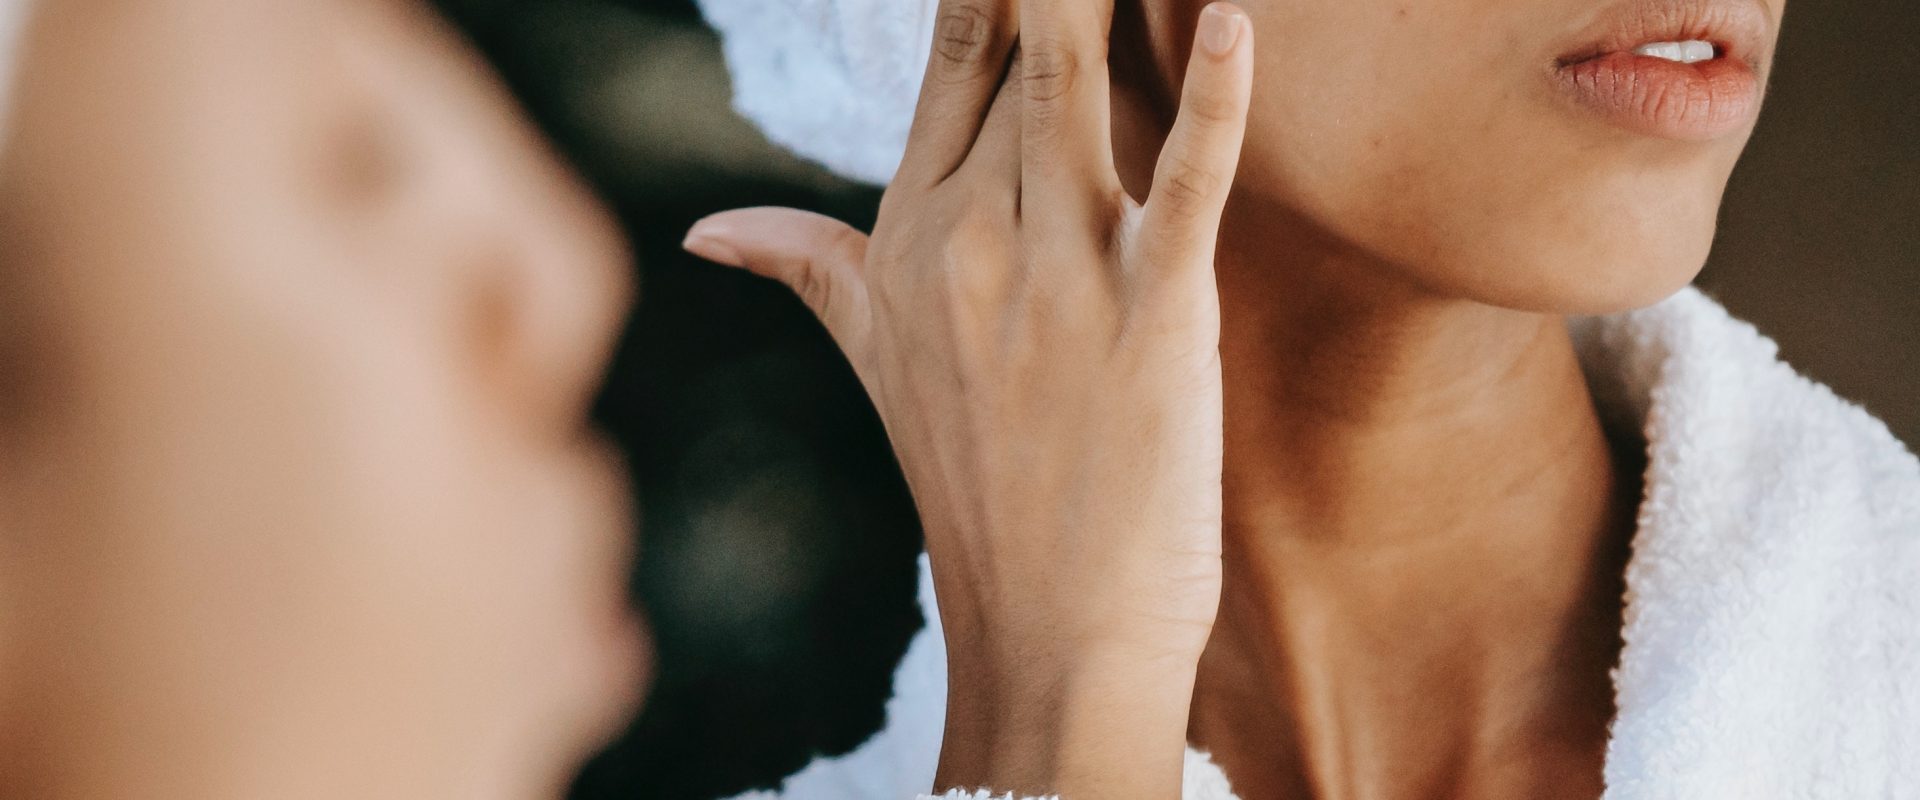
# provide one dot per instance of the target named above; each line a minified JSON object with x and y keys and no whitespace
{"x":1448,"y":142}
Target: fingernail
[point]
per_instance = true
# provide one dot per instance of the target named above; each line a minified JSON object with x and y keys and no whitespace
{"x":1220,"y":29}
{"x":712,"y":249}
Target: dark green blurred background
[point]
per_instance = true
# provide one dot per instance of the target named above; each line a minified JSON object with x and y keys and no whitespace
{"x":778,"y":538}
{"x":779,"y":541}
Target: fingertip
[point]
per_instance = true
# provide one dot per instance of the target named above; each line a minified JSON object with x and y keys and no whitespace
{"x":717,"y":225}
{"x":705,"y":241}
{"x":1222,"y":27}
{"x":724,"y":237}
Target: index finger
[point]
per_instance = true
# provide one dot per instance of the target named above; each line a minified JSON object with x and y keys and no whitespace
{"x":972,"y":40}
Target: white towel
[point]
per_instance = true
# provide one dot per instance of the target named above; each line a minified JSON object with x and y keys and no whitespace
{"x":1773,"y":597}
{"x":1773,"y":611}
{"x":13,"y":22}
{"x":835,"y":81}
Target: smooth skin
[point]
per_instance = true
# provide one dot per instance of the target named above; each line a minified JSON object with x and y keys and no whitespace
{"x":299,"y":326}
{"x":1424,"y":521}
{"x":1014,"y":311}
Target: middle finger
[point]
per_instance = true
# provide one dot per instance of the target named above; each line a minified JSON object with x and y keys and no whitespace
{"x":1066,"y":133}
{"x":995,"y":161}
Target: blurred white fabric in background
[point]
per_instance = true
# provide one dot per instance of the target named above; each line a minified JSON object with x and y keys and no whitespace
{"x":13,"y":18}
{"x":835,"y":81}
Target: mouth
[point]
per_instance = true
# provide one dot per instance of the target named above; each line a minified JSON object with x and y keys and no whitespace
{"x":1687,"y":70}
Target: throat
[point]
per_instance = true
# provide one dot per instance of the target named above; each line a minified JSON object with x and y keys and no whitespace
{"x":1426,"y":532}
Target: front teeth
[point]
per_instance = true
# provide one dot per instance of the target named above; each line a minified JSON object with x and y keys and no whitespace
{"x":1689,"y":52}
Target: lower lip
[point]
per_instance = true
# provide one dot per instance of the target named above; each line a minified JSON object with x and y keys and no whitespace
{"x":1667,"y":99}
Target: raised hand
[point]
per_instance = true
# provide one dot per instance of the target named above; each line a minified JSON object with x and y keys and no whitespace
{"x":1044,"y":351}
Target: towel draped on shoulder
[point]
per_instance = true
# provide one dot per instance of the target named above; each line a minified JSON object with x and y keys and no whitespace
{"x":1772,"y":631}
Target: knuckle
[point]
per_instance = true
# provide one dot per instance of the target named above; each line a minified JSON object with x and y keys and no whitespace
{"x":963,"y":37}
{"x":818,"y":281}
{"x":1213,"y":109}
{"x":968,"y":253}
{"x":953,"y":257}
{"x":1187,"y":187}
{"x":1048,"y":70}
{"x":846,"y":246}
{"x":815,"y":286}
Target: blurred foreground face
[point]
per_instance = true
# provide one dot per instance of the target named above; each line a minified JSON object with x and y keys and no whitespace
{"x":299,"y":325}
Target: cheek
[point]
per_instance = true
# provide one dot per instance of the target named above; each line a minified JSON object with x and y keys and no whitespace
{"x":1446,"y":156}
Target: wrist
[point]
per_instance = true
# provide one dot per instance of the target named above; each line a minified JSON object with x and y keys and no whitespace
{"x":1106,"y":723}
{"x":1063,"y":622}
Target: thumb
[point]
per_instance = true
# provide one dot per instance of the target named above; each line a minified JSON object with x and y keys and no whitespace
{"x":818,"y":257}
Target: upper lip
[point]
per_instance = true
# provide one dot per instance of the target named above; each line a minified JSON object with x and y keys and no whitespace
{"x":1738,"y":29}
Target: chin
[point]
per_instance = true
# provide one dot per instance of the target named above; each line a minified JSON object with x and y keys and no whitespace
{"x":1578,"y":274}
{"x":1590,"y":247}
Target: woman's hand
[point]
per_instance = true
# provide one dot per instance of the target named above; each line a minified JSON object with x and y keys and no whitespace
{"x":1044,"y":351}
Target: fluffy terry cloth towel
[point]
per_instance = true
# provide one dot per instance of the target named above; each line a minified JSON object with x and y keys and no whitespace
{"x":13,"y":20}
{"x":1773,"y":609}
{"x":1773,"y":597}
{"x":832,"y":80}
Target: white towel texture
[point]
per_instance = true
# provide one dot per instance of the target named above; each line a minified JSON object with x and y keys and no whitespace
{"x":832,"y":80}
{"x":1773,"y":597}
{"x":1773,"y":602}
{"x":13,"y":20}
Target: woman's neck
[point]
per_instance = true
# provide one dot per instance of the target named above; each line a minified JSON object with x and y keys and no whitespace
{"x":1426,"y":526}
{"x":1355,"y":397}
{"x":1425,"y":533}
